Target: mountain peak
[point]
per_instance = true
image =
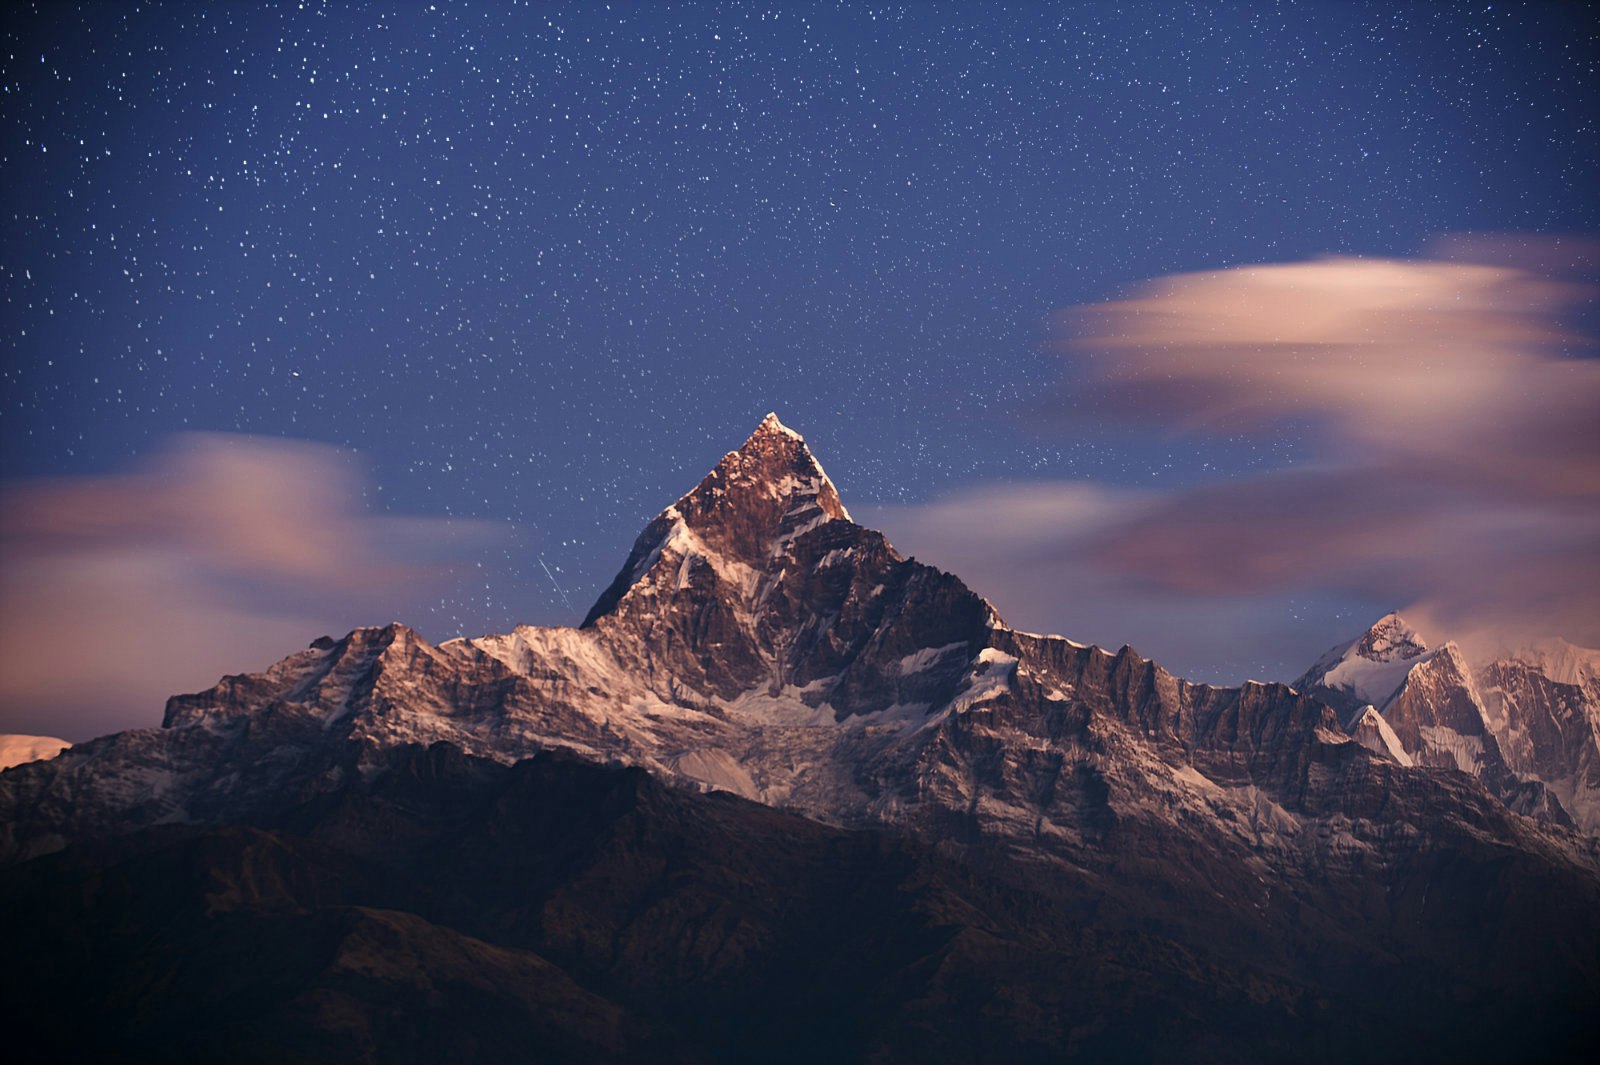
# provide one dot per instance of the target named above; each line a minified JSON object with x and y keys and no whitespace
{"x":745,"y":512}
{"x":1389,"y":639}
{"x":772,"y":465}
{"x":771,"y":424}
{"x":1558,"y":660}
{"x":1368,"y":669}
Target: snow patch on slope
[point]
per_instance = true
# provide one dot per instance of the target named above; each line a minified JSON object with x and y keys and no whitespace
{"x":1373,"y":682}
{"x":1373,"y":732}
{"x":927,"y":657}
{"x":990,"y":677}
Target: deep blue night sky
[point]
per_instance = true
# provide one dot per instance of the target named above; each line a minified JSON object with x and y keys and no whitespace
{"x":541,"y":265}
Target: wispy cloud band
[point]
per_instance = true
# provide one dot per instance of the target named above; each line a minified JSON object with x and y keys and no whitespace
{"x":217,"y":554}
{"x":1456,"y":425}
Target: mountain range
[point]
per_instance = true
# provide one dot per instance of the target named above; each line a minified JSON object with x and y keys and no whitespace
{"x":788,"y":795}
{"x":1527,"y":725}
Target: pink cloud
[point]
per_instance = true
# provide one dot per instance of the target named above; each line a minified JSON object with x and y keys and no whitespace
{"x":219,"y":554}
{"x":1459,"y":464}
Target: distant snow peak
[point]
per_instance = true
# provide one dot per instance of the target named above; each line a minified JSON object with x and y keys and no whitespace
{"x":1562,"y":662}
{"x":1390,"y":638}
{"x":1526,"y":723}
{"x":1368,"y":669}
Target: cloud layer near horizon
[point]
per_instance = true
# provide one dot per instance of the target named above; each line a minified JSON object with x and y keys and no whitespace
{"x":1458,"y":472}
{"x":219,"y":554}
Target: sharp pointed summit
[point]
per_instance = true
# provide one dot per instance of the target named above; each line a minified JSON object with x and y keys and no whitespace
{"x":1368,"y":669}
{"x":773,"y":462}
{"x":770,"y":423}
{"x":760,"y":498}
{"x":1389,"y":639}
{"x":771,"y":486}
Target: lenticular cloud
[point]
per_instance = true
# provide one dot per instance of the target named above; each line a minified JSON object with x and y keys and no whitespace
{"x":1455,"y":427}
{"x":1459,"y":435}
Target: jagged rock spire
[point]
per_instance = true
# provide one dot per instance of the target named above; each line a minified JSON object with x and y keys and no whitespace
{"x":764,"y":491}
{"x":756,"y":501}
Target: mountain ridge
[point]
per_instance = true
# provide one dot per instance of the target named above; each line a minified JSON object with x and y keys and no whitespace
{"x":1526,"y":723}
{"x":765,"y":645}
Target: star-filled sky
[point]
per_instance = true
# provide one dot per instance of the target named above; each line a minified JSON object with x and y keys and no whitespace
{"x":1216,"y":329}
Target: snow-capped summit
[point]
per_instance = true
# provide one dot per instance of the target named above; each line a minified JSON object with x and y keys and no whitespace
{"x":1390,"y":638}
{"x":770,"y":423}
{"x":1519,"y":722}
{"x":772,"y":474}
{"x":1368,"y":669}
{"x":1560,"y":661}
